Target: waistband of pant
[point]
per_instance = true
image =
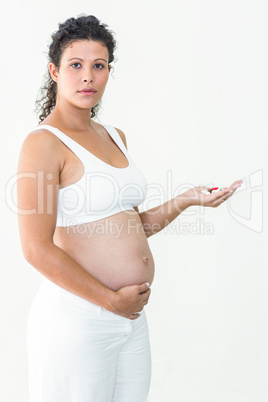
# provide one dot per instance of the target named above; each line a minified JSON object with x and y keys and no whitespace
{"x":51,"y":289}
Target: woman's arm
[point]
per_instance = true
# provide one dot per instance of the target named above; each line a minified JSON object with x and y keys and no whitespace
{"x":157,"y":218}
{"x":39,"y":168}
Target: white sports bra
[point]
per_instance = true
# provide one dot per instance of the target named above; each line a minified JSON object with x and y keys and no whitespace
{"x":103,"y":190}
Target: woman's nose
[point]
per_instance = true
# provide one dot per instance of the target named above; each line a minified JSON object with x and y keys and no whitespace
{"x":88,"y":80}
{"x":88,"y":77}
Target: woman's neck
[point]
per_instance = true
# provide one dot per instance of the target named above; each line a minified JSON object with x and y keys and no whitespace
{"x":72,"y":118}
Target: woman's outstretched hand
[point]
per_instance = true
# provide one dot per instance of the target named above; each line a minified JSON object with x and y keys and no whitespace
{"x":196,"y":197}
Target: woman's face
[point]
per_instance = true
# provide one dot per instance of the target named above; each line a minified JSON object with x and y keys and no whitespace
{"x":84,"y":64}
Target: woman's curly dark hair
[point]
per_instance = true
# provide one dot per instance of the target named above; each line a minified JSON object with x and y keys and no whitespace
{"x":85,"y":27}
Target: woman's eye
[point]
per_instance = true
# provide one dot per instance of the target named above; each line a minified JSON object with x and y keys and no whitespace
{"x":78,"y":65}
{"x":75,"y":65}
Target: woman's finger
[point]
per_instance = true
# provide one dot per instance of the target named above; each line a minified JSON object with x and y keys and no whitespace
{"x":236,"y":184}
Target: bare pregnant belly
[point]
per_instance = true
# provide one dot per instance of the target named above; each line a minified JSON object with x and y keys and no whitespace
{"x":114,"y":250}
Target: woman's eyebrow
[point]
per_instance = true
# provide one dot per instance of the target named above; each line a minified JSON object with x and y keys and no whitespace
{"x":78,"y":58}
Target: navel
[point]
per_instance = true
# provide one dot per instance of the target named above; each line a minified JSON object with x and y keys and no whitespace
{"x":145,"y":260}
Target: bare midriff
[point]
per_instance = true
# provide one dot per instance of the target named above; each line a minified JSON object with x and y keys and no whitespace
{"x":114,"y":250}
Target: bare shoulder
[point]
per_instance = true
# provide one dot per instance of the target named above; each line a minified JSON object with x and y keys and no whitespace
{"x":122,"y":135}
{"x":40,"y":147}
{"x":41,"y":136}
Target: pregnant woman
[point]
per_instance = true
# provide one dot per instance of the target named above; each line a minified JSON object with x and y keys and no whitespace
{"x":81,"y":228}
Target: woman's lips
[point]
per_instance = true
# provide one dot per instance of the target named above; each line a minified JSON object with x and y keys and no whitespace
{"x":87,"y":92}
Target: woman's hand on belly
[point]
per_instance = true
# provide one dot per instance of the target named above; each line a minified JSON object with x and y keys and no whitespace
{"x":129,"y":300}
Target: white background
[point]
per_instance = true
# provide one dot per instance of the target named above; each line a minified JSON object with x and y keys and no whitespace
{"x":190,"y":92}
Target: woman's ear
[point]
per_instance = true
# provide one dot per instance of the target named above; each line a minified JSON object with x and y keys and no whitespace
{"x":53,"y":71}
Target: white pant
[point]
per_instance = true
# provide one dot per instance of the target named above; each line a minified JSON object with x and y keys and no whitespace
{"x":80,"y":352}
